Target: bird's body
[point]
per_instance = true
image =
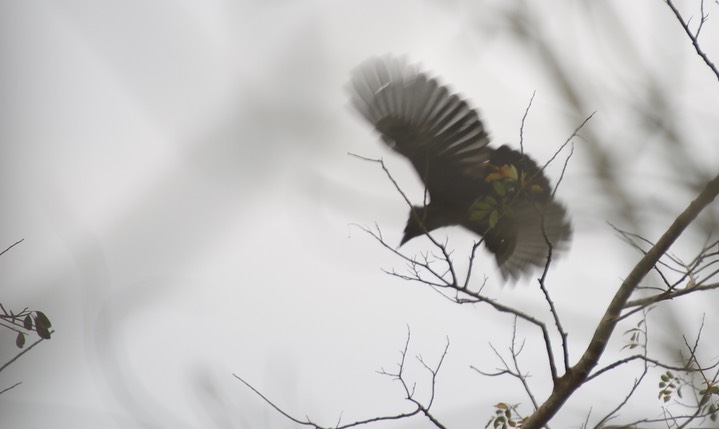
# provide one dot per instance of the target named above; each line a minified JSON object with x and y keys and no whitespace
{"x":500,"y":194}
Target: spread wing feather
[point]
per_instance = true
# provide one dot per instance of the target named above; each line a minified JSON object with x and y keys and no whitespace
{"x":417,"y":117}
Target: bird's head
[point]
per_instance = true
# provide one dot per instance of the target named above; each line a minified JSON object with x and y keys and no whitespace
{"x":416,"y":224}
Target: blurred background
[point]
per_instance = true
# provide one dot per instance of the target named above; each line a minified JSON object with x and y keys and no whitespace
{"x":179,"y":173}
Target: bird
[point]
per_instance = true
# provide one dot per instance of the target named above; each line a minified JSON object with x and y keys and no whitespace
{"x":501,"y":194}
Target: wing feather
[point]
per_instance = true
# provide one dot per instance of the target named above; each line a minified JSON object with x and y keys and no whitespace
{"x":419,"y":118}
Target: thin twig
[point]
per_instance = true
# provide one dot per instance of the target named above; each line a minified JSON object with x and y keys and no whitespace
{"x":558,"y":323}
{"x":637,"y":381}
{"x":644,"y":302}
{"x":316,"y":426}
{"x":11,"y":387}
{"x":521,"y":127}
{"x":564,"y":169}
{"x":574,"y":134}
{"x":694,"y":37}
{"x":442,"y":247}
{"x":515,"y":361}
{"x":552,"y":308}
{"x":12,"y":245}
{"x":21,"y":353}
{"x":652,"y":361}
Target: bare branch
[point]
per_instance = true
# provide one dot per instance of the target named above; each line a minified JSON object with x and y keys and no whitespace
{"x":694,"y":37}
{"x":577,"y":374}
{"x":411,"y":261}
{"x":11,"y":246}
{"x":644,"y":302}
{"x":555,"y":314}
{"x":398,"y":376}
{"x":11,"y":387}
{"x":474,"y":297}
{"x":442,"y":247}
{"x":272,"y":404}
{"x":637,"y":381}
{"x":635,"y":385}
{"x":654,"y":362}
{"x":316,"y":426}
{"x":569,"y":140}
{"x":564,"y":169}
{"x":38,"y":341}
{"x":515,"y":360}
{"x":521,"y":127}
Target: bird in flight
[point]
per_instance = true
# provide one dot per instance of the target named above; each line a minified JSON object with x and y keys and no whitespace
{"x":500,"y":194}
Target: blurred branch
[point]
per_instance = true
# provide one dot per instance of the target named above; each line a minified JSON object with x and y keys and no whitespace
{"x":604,"y":165}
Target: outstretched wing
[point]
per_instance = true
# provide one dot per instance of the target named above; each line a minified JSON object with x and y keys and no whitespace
{"x":417,"y":117}
{"x":521,"y":243}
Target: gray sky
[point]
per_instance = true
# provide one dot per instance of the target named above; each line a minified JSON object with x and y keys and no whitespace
{"x":179,"y":173}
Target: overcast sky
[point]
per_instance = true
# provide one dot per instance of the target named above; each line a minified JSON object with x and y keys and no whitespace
{"x":179,"y":174}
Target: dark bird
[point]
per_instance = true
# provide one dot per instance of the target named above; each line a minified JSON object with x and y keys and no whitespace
{"x":500,"y":194}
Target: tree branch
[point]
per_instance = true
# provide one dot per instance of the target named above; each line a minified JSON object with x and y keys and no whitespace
{"x":694,"y":37}
{"x":578,"y":374}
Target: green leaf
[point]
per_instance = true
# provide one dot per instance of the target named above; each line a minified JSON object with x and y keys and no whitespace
{"x":482,"y":205}
{"x":493,"y":218}
{"x":27,"y":322}
{"x":665,"y":378}
{"x":42,"y":325}
{"x":477,"y":215}
{"x":499,"y":188}
{"x":42,"y":319}
{"x":20,"y":340}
